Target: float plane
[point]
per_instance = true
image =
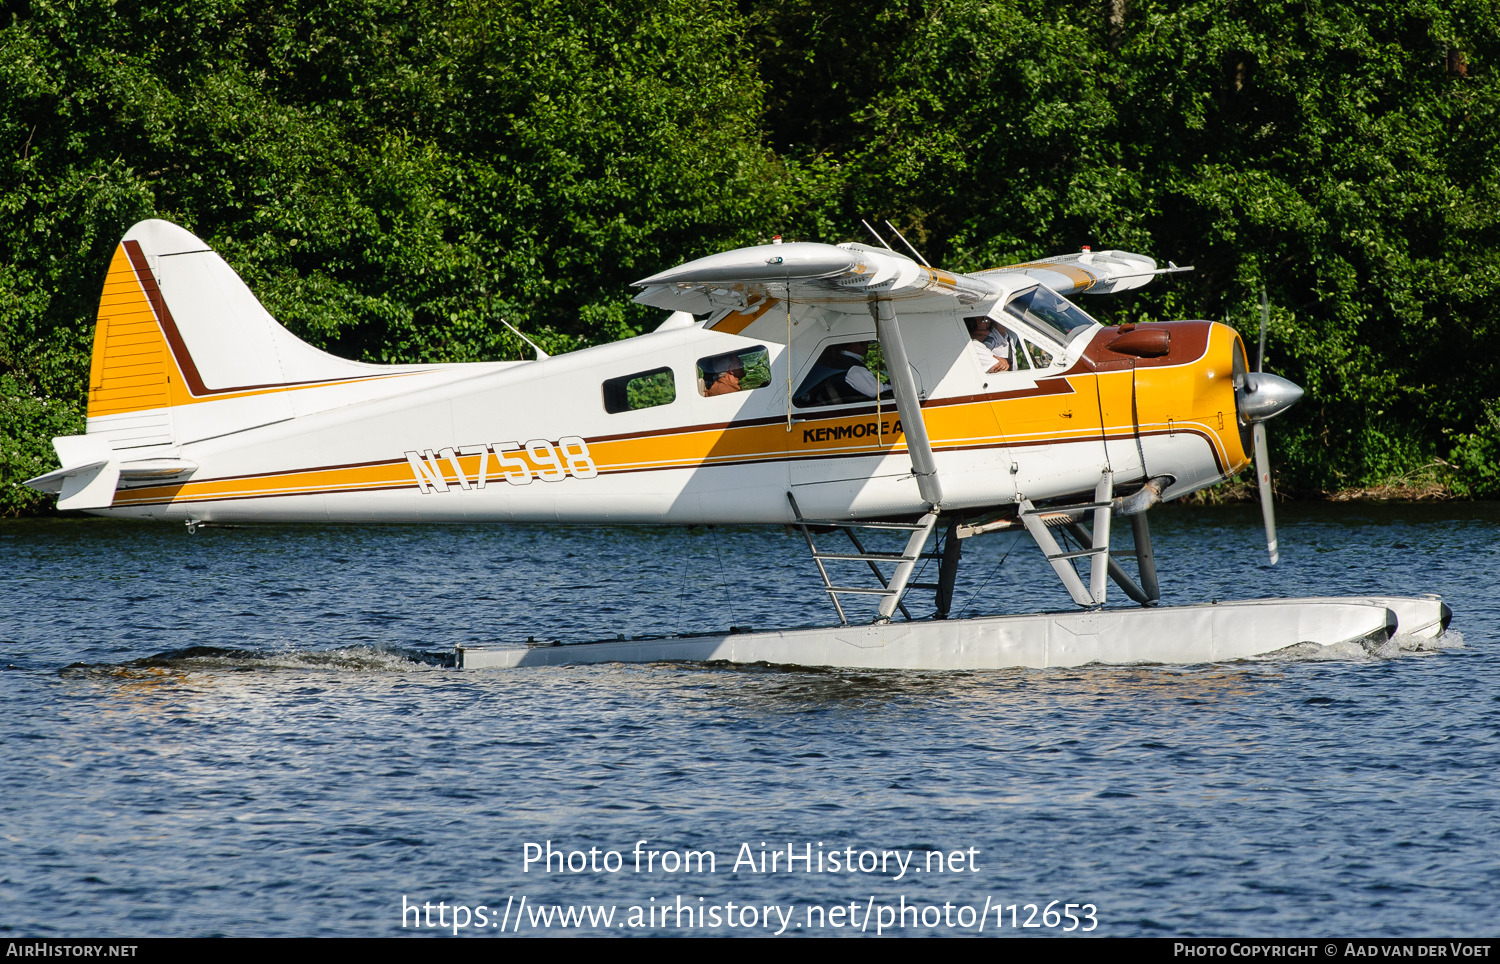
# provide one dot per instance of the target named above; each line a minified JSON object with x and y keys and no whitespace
{"x":843,"y":388}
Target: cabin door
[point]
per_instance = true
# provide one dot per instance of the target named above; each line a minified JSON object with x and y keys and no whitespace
{"x":844,"y":429}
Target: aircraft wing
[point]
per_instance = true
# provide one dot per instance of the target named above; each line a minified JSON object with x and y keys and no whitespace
{"x":810,"y":273}
{"x":750,"y":280}
{"x":1090,"y":272}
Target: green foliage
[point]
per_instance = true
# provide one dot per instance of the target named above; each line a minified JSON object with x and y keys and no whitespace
{"x":29,"y":424}
{"x":1341,"y":154}
{"x":1475,"y":456}
{"x":757,"y":370}
{"x":649,"y":391}
{"x":875,"y":362}
{"x":392,"y":177}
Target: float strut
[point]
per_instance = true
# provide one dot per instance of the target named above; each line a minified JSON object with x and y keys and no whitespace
{"x":859,"y":547}
{"x":1060,"y":560}
{"x":1145,"y":561}
{"x":921,"y":532}
{"x":1119,"y":575}
{"x":1104,"y":494}
{"x":904,"y":560}
{"x":953,"y":548}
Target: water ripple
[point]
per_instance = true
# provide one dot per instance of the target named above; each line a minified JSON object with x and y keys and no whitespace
{"x":256,"y":731}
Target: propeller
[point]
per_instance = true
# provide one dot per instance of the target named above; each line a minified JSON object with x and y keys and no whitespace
{"x":1261,"y":397}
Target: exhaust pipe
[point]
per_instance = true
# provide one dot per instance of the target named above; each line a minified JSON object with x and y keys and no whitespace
{"x":1139,"y":502}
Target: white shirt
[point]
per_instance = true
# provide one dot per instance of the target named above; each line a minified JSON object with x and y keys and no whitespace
{"x":1004,"y":345}
{"x":983,"y":354}
{"x":860,"y":379}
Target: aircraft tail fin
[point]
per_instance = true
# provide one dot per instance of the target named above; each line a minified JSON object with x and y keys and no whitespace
{"x":177,"y":328}
{"x":176,"y":325}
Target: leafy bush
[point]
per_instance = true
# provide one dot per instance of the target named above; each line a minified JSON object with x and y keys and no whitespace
{"x":1476,"y":456}
{"x":27,"y":426}
{"x":392,"y":177}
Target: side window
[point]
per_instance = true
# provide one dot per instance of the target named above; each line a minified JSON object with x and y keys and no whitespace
{"x":641,"y":390}
{"x":1039,"y":357}
{"x":844,"y":374}
{"x":994,"y":347}
{"x":736,"y":371}
{"x":1008,"y":346}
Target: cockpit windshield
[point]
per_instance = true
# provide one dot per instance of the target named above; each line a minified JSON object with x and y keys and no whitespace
{"x":1048,"y":312}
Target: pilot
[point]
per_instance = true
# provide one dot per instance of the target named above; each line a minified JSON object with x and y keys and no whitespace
{"x":725,"y":379}
{"x":840,"y":376}
{"x":993,"y":346}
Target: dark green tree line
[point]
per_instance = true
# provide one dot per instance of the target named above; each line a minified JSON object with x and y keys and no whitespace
{"x":1342,"y":155}
{"x":392,"y":177}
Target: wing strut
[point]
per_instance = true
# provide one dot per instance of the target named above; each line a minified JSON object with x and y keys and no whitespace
{"x":908,"y":403}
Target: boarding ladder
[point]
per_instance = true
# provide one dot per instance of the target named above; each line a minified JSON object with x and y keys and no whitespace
{"x":890,"y":590}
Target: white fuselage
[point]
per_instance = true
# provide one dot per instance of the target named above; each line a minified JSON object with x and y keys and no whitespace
{"x":450,"y":443}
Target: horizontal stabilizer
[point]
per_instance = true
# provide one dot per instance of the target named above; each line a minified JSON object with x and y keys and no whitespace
{"x":89,"y":473}
{"x":52,"y":482}
{"x":157,"y":468}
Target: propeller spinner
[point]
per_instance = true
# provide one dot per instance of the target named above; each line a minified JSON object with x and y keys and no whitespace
{"x":1260,"y":397}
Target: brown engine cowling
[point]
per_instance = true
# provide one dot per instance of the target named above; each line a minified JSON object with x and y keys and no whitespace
{"x":1184,"y":376}
{"x":1150,"y":344}
{"x":1142,"y":342}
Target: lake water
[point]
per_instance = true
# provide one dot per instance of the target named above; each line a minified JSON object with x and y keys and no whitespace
{"x":258,"y":731}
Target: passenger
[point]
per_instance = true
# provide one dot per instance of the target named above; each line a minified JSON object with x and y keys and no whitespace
{"x":851,"y":358}
{"x":725,"y":380}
